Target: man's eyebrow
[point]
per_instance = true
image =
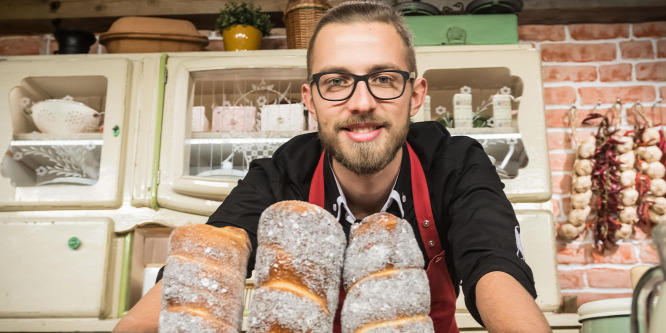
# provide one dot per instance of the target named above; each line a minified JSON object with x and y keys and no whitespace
{"x":334,"y":69}
{"x":383,"y":67}
{"x":374,"y":68}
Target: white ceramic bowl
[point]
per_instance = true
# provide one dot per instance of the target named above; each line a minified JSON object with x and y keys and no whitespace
{"x":59,"y":116}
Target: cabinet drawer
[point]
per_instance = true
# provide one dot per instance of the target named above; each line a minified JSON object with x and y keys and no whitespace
{"x":54,"y":267}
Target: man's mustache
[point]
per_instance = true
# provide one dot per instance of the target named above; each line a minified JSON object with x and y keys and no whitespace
{"x":360,"y":119}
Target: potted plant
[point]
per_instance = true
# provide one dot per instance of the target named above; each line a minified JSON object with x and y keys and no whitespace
{"x":242,"y":25}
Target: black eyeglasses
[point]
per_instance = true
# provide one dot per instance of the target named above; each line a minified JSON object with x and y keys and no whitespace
{"x":383,"y":85}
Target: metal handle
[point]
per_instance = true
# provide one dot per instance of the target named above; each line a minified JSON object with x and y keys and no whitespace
{"x":641,"y":303}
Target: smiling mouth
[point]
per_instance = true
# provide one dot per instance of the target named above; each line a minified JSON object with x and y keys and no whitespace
{"x":362,"y":128}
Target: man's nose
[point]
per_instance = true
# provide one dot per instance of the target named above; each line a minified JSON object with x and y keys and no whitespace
{"x":361,"y":100}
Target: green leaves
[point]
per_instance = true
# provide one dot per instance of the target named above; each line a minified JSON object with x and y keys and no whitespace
{"x":244,"y":14}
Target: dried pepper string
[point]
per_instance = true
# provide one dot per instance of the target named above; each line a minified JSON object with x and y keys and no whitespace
{"x":605,"y":169}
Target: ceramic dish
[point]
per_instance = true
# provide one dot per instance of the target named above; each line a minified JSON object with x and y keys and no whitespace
{"x":63,"y":117}
{"x":152,"y":34}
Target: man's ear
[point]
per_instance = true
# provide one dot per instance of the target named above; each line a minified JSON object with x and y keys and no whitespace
{"x":306,"y":94}
{"x":418,"y":95}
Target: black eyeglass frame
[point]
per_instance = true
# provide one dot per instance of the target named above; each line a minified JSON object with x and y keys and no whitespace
{"x":364,"y":78}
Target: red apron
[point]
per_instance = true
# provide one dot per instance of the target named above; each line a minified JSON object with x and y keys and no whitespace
{"x":442,"y":294}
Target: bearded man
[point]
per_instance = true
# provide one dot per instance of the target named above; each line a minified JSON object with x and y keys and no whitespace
{"x":367,"y":158}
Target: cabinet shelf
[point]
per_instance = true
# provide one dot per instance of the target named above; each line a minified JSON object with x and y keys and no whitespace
{"x":485,"y":132}
{"x":241,"y":137}
{"x":41,"y":139}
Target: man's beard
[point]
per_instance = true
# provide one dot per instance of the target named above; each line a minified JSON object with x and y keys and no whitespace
{"x":364,"y":158}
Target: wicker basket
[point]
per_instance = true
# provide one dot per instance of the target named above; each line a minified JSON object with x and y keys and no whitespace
{"x":301,"y":17}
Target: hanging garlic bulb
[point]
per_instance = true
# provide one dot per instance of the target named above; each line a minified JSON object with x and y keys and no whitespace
{"x":651,"y":136}
{"x":655,"y":170}
{"x":568,"y":231}
{"x":583,"y":167}
{"x":650,"y":154}
{"x":649,"y":164}
{"x":659,"y":205}
{"x":628,"y":214}
{"x":624,"y":232}
{"x":577,"y":217}
{"x":628,"y":178}
{"x":586,"y":151}
{"x":629,"y":196}
{"x":582,"y":184}
{"x":656,"y":217}
{"x":625,"y":142}
{"x":581,"y":195}
{"x":658,"y":187}
{"x":627,"y":161}
{"x":581,"y":200}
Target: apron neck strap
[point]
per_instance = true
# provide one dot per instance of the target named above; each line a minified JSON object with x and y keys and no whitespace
{"x":317,"y":194}
{"x":422,"y":208}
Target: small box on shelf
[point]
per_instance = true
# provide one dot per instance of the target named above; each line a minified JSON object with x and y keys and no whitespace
{"x":234,"y":118}
{"x":200,"y":122}
{"x":282,"y":117}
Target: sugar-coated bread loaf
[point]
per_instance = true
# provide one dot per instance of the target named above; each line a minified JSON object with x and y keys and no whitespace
{"x":298,"y":267}
{"x":387,"y":287}
{"x":204,"y":280}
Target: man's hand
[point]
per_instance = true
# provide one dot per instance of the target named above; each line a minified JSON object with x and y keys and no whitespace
{"x":505,"y":306}
{"x":145,"y":315}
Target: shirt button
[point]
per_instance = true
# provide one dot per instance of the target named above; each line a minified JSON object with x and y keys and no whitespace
{"x":426,"y":223}
{"x":404,"y":198}
{"x":335,"y":207}
{"x":431,"y":243}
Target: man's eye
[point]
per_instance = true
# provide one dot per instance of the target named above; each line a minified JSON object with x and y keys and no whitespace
{"x":383,"y":79}
{"x":336,"y":81}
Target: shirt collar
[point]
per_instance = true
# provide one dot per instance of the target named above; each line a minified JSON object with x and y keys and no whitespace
{"x":341,"y":201}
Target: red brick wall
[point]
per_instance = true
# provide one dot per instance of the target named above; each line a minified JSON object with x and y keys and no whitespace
{"x":583,"y":63}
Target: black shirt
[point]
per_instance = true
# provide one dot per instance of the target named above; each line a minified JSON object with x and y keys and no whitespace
{"x":476,"y":223}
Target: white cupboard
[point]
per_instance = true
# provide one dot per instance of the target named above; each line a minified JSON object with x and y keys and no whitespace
{"x":168,"y":138}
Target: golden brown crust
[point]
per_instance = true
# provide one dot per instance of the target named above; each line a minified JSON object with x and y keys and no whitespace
{"x":298,"y":264}
{"x":380,"y":274}
{"x":380,"y":220}
{"x":293,"y":206}
{"x":283,"y":276}
{"x":205,"y":276}
{"x":387,"y":287}
{"x":397,"y":323}
{"x":207,"y":235}
{"x":215,"y":322}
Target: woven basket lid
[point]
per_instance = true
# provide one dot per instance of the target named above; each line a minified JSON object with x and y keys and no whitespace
{"x":293,"y":5}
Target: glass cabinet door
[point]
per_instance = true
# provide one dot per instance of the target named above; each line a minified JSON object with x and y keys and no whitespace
{"x":62,"y":132}
{"x":221,"y":114}
{"x":494,"y":95}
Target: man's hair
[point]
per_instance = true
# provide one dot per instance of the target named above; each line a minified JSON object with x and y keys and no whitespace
{"x":366,"y":12}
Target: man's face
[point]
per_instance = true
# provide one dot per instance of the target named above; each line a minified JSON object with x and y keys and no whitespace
{"x":361,"y":132}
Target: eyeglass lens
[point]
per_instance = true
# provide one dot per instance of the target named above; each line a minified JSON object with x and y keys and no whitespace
{"x":383,"y":85}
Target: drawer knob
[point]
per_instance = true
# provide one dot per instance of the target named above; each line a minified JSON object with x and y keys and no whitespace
{"x":74,"y":243}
